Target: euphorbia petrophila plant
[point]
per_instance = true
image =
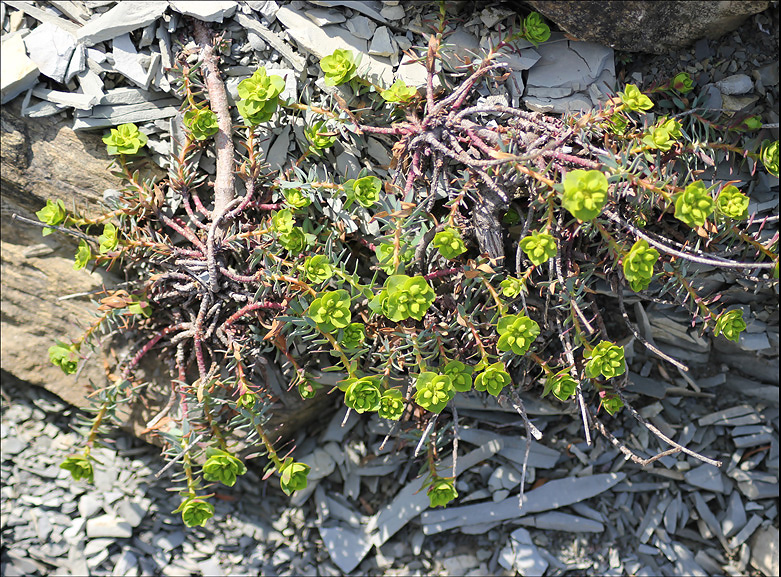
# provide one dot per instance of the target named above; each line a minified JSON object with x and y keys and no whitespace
{"x":406,"y":287}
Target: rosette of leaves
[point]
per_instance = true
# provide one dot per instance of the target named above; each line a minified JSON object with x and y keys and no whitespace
{"x":732,"y":203}
{"x":538,"y":247}
{"x":460,"y":375}
{"x":664,"y":135}
{"x":318,"y":268}
{"x":353,"y":335}
{"x":384,"y":253}
{"x":769,"y":156}
{"x":433,"y":391}
{"x":403,"y":297}
{"x":362,"y":395}
{"x":561,"y":384}
{"x":331,"y":310}
{"x":283,"y":221}
{"x":109,"y":240}
{"x":611,"y":403}
{"x":338,"y":68}
{"x":399,"y":92}
{"x":449,"y":243}
{"x":730,"y":324}
{"x":683,"y":83}
{"x":493,"y":379}
{"x":259,"y":96}
{"x":639,"y":265}
{"x":635,"y":100}
{"x":125,"y":139}
{"x":293,"y":476}
{"x":606,"y":359}
{"x":53,"y":213}
{"x":196,"y":512}
{"x":511,"y":287}
{"x":201,"y":122}
{"x":585,"y":193}
{"x":535,"y":30}
{"x":79,"y":466}
{"x":516,"y":333}
{"x":391,"y":405}
{"x":318,"y":137}
{"x":294,"y":241}
{"x":694,"y":205}
{"x":83,"y":255}
{"x":441,"y":491}
{"x":365,"y":191}
{"x":296,"y":198}
{"x":222,"y":467}
{"x":617,"y":124}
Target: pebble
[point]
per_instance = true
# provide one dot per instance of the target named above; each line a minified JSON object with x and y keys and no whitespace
{"x":108,"y":526}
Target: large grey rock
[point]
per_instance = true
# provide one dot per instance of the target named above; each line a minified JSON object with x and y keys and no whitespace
{"x":640,"y":26}
{"x":205,"y":11}
{"x":19,"y":72}
{"x":764,"y":551}
{"x":123,"y":17}
{"x":51,"y":47}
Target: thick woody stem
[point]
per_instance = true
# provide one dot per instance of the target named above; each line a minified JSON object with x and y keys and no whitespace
{"x":224,"y":190}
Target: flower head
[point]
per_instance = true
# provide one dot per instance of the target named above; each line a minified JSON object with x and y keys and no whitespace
{"x":293,"y":476}
{"x":511,"y":287}
{"x":353,"y":335}
{"x":639,"y":265}
{"x":441,"y":492}
{"x":318,"y":268}
{"x":634,"y":99}
{"x":585,"y":193}
{"x":534,"y":28}
{"x":109,"y":239}
{"x":561,"y":384}
{"x":222,"y":467}
{"x":65,"y":356}
{"x":125,"y":139}
{"x":517,"y":332}
{"x":319,"y":137}
{"x":404,"y":297}
{"x":79,"y":466}
{"x":493,"y":379}
{"x":683,"y":83}
{"x":730,"y":324}
{"x":196,"y":512}
{"x":366,"y":191}
{"x":399,"y":92}
{"x":449,"y":243}
{"x":539,"y":247}
{"x":694,"y":205}
{"x":769,"y":156}
{"x":339,"y":67}
{"x":605,"y":359}
{"x":362,"y":394}
{"x":391,"y":405}
{"x":433,"y":391}
{"x":331,"y":310}
{"x":83,"y":255}
{"x":732,"y":203}
{"x":201,"y":122}
{"x":53,"y":213}
{"x":460,"y":375}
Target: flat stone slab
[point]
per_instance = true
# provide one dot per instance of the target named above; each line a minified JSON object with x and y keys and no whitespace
{"x":347,"y":547}
{"x":122,"y":18}
{"x":19,"y":72}
{"x":51,"y":47}
{"x":212,"y":11}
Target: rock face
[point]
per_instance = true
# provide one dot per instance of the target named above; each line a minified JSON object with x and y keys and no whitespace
{"x":639,"y":26}
{"x":42,"y":158}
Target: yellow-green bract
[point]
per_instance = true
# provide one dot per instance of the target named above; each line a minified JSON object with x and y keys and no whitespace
{"x":585,"y":193}
{"x":511,"y":287}
{"x":125,"y":139}
{"x":331,"y":310}
{"x":611,"y":403}
{"x":339,"y":67}
{"x":449,"y":243}
{"x":460,"y":375}
{"x":517,"y":332}
{"x":293,"y":476}
{"x":53,"y":213}
{"x":403,"y":297}
{"x":664,"y":135}
{"x":109,"y":239}
{"x":732,"y":203}
{"x":364,"y":190}
{"x":399,"y":92}
{"x":83,"y":255}
{"x":730,"y":324}
{"x":769,"y":156}
{"x":441,"y":492}
{"x":634,"y":99}
{"x":202,"y":123}
{"x":683,"y":83}
{"x":79,"y":466}
{"x":259,"y":96}
{"x":362,"y":394}
{"x":222,"y":467}
{"x":391,"y":405}
{"x":534,"y":28}
{"x":539,"y":247}
{"x":639,"y":265}
{"x":433,"y":391}
{"x":561,"y":384}
{"x":318,"y":268}
{"x":605,"y":359}
{"x":493,"y":379}
{"x":694,"y":205}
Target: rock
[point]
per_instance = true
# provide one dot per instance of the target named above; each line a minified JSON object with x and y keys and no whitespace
{"x":706,"y":477}
{"x":735,"y":517}
{"x":126,"y":563}
{"x":321,"y":463}
{"x":347,"y":547}
{"x":392,"y":12}
{"x":108,"y":526}
{"x":122,"y":18}
{"x":764,"y":551}
{"x":19,"y":72}
{"x":735,"y":84}
{"x":168,"y":541}
{"x":321,"y":17}
{"x":522,"y":555}
{"x":490,"y":17}
{"x":89,"y":506}
{"x":213,"y":11}
{"x":51,"y":47}
{"x":126,"y":61}
{"x":574,"y":103}
{"x":274,"y":40}
{"x":382,"y":44}
{"x":361,"y":27}
{"x":638,"y":26}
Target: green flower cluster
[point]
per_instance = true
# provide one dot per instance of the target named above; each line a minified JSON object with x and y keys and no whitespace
{"x":399,"y":92}
{"x":353,"y":335}
{"x":441,"y":492}
{"x":318,"y":137}
{"x":331,"y":311}
{"x":318,"y":268}
{"x":694,"y":205}
{"x":585,"y":193}
{"x":259,"y":96}
{"x":562,"y":385}
{"x":290,"y":236}
{"x":460,"y":375}
{"x":362,"y":395}
{"x":222,"y":467}
{"x":433,"y":391}
{"x":339,"y":67}
{"x":517,"y":332}
{"x":534,"y":28}
{"x":366,"y":191}
{"x":296,"y":198}
{"x":664,"y":135}
{"x":83,"y":255}
{"x":384,"y":253}
{"x":683,"y":83}
{"x":730,"y":324}
{"x":293,"y":476}
{"x":65,"y":356}
{"x":633,"y":99}
{"x":769,"y":156}
{"x":201,"y":122}
{"x":109,"y":240}
{"x":196,"y":512}
{"x":125,"y":139}
{"x":611,"y":403}
{"x":511,"y":287}
{"x":53,"y":213}
{"x":449,"y":243}
{"x":639,"y":265}
{"x":403,"y":297}
{"x":79,"y":466}
{"x":539,"y":247}
{"x":732,"y":203}
{"x":605,"y":359}
{"x":493,"y":379}
{"x":391,"y":405}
